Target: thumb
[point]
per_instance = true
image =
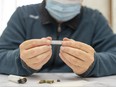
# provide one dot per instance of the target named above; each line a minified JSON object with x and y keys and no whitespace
{"x":67,"y":39}
{"x":49,"y":38}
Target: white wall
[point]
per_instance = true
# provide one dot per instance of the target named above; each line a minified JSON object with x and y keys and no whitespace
{"x":107,"y":7}
{"x":114,"y":15}
{"x":7,"y":7}
{"x":25,"y":2}
{"x":102,"y":5}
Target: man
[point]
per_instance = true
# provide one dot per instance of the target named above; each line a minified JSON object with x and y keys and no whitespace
{"x":88,"y":43}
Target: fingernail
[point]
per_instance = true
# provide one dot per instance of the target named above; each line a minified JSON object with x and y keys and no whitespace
{"x":49,"y":38}
{"x":65,"y":39}
{"x":43,"y":38}
{"x":62,"y":48}
{"x":49,"y":41}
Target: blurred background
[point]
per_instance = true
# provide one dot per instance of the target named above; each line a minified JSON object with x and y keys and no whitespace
{"x":106,"y":7}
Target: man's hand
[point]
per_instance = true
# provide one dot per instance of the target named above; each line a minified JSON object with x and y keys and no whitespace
{"x":77,"y":55}
{"x":36,"y":52}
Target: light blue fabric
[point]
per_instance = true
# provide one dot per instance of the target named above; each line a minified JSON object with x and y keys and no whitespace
{"x":62,"y":12}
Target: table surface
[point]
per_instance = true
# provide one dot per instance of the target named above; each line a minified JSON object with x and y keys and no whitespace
{"x":67,"y":80}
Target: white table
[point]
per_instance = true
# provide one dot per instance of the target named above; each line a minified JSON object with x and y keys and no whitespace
{"x":67,"y":80}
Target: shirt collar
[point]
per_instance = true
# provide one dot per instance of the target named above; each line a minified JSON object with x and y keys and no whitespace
{"x":46,"y":18}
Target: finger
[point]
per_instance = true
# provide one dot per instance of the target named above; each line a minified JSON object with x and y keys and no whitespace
{"x":30,"y":53}
{"x":78,"y":45}
{"x":44,"y":61}
{"x":76,"y":69}
{"x":39,"y":58}
{"x":49,"y":38}
{"x":73,"y":60}
{"x":79,"y":54}
{"x":34,"y":43}
{"x":47,"y":59}
{"x":67,"y":39}
{"x":39,"y":64}
{"x":67,"y":62}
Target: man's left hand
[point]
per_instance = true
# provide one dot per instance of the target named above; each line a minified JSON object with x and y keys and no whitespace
{"x":77,"y":55}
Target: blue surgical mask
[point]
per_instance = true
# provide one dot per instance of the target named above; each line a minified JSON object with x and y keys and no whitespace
{"x":62,"y":12}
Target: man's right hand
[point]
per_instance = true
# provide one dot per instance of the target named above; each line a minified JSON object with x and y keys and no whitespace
{"x":36,"y":52}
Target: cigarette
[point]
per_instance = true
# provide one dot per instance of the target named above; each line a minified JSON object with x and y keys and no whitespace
{"x":56,"y":42}
{"x":17,"y":79}
{"x":48,"y":81}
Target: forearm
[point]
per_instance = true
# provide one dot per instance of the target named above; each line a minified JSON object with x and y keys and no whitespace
{"x":10,"y":63}
{"x":104,"y":65}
